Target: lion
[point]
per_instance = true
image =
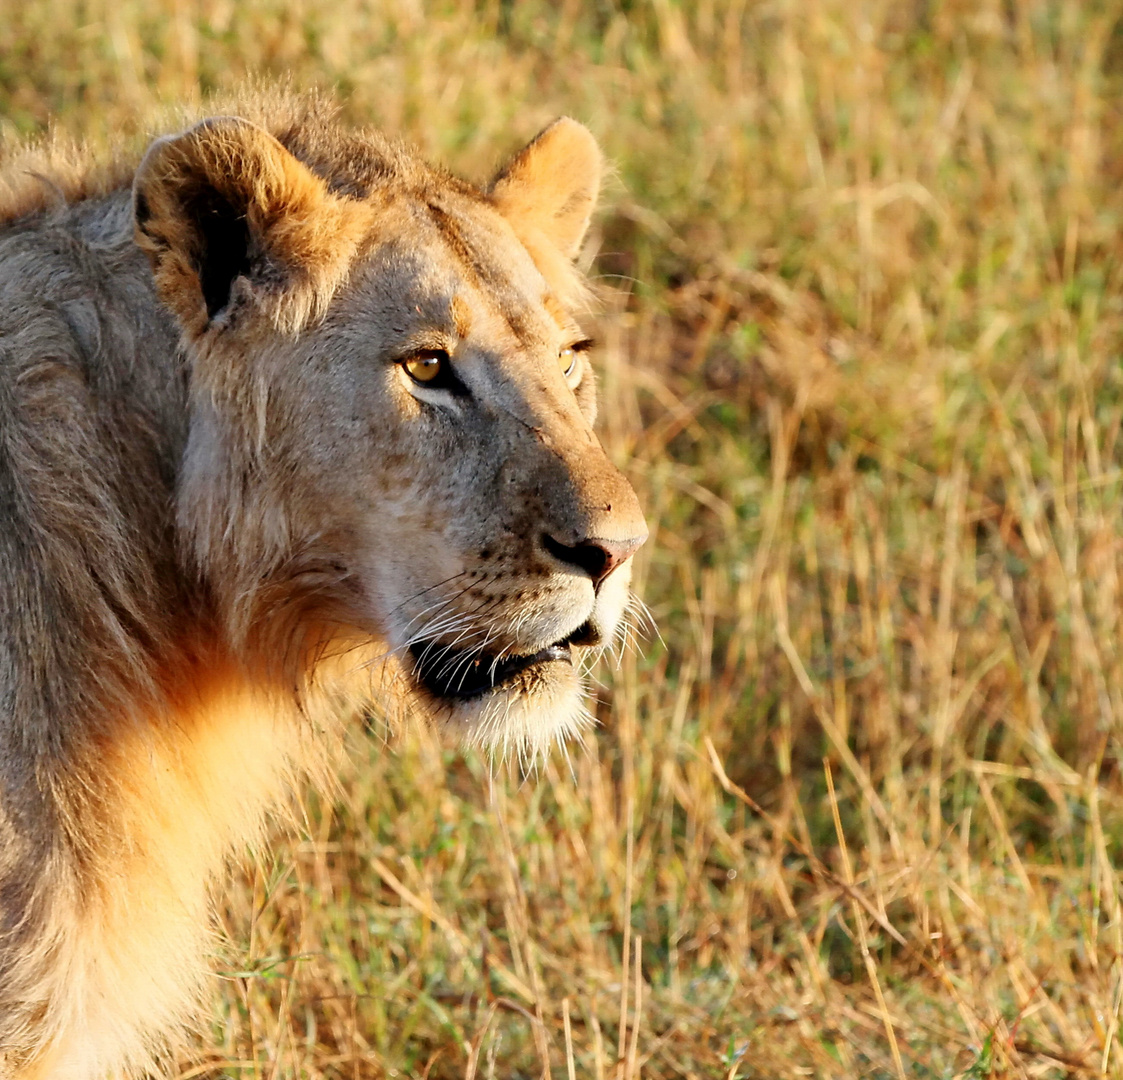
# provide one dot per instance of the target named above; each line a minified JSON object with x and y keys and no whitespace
{"x":292,"y":424}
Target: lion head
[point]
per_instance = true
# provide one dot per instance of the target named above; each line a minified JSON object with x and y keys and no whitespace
{"x":391,"y":412}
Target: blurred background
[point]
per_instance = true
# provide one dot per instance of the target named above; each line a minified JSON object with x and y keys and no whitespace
{"x":855,"y":809}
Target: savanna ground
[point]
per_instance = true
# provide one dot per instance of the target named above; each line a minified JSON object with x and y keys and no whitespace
{"x":857,"y":812}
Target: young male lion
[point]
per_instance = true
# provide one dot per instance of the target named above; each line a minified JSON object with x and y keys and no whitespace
{"x":287,"y":417}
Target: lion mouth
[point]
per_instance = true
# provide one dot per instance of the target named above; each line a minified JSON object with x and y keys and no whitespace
{"x":461,"y":674}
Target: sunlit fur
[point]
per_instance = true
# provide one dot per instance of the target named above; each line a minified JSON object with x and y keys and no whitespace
{"x":227,"y":513}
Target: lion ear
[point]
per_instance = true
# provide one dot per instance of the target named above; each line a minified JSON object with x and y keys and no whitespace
{"x":230,"y":219}
{"x":551,"y":186}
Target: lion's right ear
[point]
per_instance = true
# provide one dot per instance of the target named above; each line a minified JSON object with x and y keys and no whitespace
{"x":232,"y":223}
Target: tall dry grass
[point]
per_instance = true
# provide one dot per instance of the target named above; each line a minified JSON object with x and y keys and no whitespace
{"x":858,"y":811}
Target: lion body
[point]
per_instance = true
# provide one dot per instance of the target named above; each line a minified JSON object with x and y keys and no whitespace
{"x":230,"y":513}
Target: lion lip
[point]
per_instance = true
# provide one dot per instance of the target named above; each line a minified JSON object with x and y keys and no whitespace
{"x":448,"y":672}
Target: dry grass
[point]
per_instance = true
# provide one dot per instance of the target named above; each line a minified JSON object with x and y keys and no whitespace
{"x":858,"y":813}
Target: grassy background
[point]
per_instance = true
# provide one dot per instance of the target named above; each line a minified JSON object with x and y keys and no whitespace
{"x":858,"y":812}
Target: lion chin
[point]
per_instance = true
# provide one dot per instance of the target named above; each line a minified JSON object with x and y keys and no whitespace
{"x":528,"y":695}
{"x":508,"y":705}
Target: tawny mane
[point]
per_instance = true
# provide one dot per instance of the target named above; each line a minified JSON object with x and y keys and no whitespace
{"x":41,"y":174}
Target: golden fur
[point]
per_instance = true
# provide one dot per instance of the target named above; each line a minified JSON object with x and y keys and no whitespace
{"x":290,"y":422}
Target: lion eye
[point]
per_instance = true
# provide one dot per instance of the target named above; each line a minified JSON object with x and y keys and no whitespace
{"x":568,"y":360}
{"x":428,"y":366}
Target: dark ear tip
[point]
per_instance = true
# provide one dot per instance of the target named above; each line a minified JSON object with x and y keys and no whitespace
{"x":142,"y":212}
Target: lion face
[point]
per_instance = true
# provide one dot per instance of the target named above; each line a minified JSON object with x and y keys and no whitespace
{"x":392,"y":407}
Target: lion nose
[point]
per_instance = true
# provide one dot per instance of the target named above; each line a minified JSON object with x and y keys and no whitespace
{"x":595,"y":556}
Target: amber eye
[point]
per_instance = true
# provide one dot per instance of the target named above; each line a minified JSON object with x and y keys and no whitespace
{"x":427,"y":366}
{"x":569,"y":361}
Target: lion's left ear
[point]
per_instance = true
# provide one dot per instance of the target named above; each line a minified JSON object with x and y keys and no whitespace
{"x":551,"y":186}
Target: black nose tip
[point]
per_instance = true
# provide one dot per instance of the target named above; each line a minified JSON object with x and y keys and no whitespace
{"x":596,"y":557}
